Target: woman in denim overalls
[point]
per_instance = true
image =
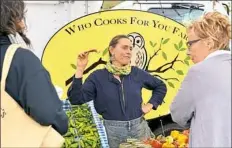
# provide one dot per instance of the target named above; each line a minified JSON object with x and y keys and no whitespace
{"x":116,"y":92}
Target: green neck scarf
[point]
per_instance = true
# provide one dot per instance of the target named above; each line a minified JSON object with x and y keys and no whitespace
{"x":125,"y":70}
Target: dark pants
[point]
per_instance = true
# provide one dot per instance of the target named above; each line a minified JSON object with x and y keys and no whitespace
{"x":119,"y":131}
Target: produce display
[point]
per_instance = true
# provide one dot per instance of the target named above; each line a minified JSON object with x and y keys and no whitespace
{"x":134,"y":143}
{"x":175,"y":140}
{"x":82,"y":131}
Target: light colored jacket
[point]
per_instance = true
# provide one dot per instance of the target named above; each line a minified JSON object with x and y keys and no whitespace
{"x":203,"y":102}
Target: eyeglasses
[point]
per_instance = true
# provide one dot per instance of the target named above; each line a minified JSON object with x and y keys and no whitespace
{"x":190,"y":43}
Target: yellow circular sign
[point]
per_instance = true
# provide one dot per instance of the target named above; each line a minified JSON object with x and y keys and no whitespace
{"x":158,"y":47}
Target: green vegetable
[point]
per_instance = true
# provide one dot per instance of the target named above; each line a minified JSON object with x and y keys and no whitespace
{"x":81,"y":119}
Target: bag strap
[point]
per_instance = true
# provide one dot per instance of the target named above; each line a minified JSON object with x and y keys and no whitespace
{"x":7,"y":63}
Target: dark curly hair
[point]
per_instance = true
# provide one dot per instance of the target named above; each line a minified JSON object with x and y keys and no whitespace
{"x":12,"y":11}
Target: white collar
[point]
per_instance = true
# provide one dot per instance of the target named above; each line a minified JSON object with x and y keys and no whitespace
{"x":217,"y":52}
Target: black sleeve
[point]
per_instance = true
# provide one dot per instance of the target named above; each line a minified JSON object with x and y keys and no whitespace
{"x":79,"y":94}
{"x":157,"y":86}
{"x":37,"y":94}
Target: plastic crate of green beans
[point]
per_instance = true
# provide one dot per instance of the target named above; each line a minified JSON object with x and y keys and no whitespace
{"x":82,"y":131}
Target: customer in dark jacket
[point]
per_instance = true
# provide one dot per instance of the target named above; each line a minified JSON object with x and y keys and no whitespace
{"x":28,"y":82}
{"x":116,"y":92}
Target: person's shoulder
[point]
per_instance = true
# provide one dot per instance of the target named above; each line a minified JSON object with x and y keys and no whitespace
{"x":20,"y":54}
{"x":138,"y":74}
{"x":198,"y":69}
{"x":209,"y":63}
{"x":26,"y":54}
{"x":27,"y":60}
{"x":97,"y":74}
{"x":135,"y":70}
{"x":99,"y":71}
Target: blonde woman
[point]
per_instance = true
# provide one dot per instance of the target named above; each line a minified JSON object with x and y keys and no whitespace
{"x":204,"y":101}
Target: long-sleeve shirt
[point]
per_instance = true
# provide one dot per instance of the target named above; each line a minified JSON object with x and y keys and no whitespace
{"x":203,"y":102}
{"x":29,"y":84}
{"x":115,"y":100}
